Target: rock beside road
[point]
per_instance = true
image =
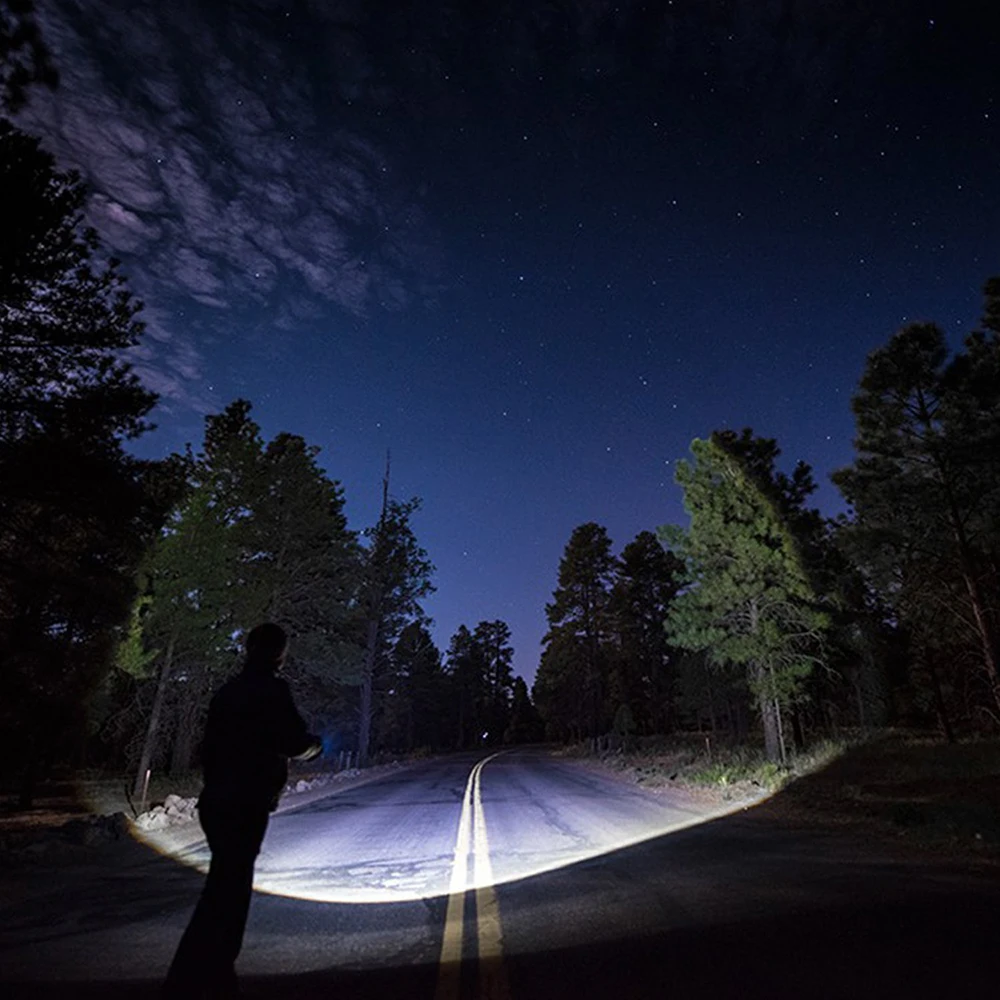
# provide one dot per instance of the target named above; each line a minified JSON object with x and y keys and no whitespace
{"x":45,"y":840}
{"x":174,"y":811}
{"x":177,"y":810}
{"x":321,"y":780}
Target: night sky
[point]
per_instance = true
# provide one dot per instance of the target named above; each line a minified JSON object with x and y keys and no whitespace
{"x":532,"y":248}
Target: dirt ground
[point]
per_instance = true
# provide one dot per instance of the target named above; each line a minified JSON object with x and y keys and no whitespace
{"x":935,"y":797}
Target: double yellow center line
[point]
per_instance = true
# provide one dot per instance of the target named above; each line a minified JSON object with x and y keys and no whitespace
{"x":472,"y":845}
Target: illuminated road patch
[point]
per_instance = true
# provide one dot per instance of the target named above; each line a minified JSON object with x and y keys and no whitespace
{"x":395,"y":840}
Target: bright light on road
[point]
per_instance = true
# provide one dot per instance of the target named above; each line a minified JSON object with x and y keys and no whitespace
{"x":420,"y":850}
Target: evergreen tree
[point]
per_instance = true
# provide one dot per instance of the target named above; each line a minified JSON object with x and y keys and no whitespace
{"x":395,"y":577}
{"x":556,"y":693}
{"x":466,"y":669}
{"x":261,"y":536}
{"x":925,"y":488}
{"x":76,"y":510}
{"x":570,"y":687}
{"x":749,"y":601}
{"x":713,"y":696}
{"x":411,"y":711}
{"x":496,"y":655}
{"x":647,"y":580}
{"x":191,"y":579}
{"x":302,"y":569}
{"x":525,"y":726}
{"x":65,"y":313}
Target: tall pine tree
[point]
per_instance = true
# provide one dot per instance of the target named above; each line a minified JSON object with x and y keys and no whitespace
{"x":647,"y":580}
{"x":496,"y":655}
{"x":76,"y":509}
{"x":925,"y":487}
{"x":395,"y":577}
{"x":571,"y":684}
{"x":749,"y":600}
{"x":466,"y":668}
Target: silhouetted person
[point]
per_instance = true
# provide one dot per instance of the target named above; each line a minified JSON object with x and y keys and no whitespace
{"x":253,"y":728}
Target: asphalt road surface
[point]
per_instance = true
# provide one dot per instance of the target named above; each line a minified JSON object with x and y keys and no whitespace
{"x":516,"y":877}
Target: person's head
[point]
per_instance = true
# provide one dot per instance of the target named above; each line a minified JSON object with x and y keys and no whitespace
{"x":266,"y":646}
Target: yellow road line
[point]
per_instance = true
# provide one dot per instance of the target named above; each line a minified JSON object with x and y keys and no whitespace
{"x":472,"y":837}
{"x":450,"y":963}
{"x":492,"y":973}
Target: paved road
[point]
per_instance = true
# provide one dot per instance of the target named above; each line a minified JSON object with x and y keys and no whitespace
{"x":516,"y":878}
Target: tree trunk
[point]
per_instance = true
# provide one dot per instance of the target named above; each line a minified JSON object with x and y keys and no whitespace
{"x":987,"y":636}
{"x":942,"y":712}
{"x":770,"y":714}
{"x":188,"y":719}
{"x":772,"y":728}
{"x":782,"y":749}
{"x":798,"y":731}
{"x":152,"y":729}
{"x":984,"y":625}
{"x":367,"y":707}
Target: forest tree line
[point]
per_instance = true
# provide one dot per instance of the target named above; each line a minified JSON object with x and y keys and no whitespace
{"x":127,"y":584}
{"x":761,"y":613}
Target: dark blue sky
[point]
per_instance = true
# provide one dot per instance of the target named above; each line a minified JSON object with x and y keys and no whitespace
{"x":534,"y":249}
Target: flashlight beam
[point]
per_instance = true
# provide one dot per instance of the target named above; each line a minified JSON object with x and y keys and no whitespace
{"x":472,"y":839}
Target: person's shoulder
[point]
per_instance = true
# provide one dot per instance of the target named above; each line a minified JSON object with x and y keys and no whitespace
{"x":269,"y":684}
{"x":226,"y":688}
{"x":225,"y":701}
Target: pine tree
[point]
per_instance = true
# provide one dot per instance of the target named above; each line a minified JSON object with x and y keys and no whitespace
{"x":411,"y":714}
{"x":302,"y":567}
{"x":749,"y":600}
{"x":261,"y":536}
{"x":496,"y":655}
{"x":76,"y":510}
{"x":466,"y":668}
{"x":557,"y":693}
{"x":395,"y":577}
{"x":647,"y":580}
{"x":925,"y":488}
{"x":190,"y":579}
{"x":65,"y":313}
{"x":525,"y":726}
{"x":571,"y":683}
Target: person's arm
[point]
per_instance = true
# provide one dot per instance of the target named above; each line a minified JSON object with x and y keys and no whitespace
{"x":291,"y":737}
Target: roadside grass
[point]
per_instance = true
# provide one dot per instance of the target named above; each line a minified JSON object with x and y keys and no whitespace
{"x":731,"y":772}
{"x":909,"y":787}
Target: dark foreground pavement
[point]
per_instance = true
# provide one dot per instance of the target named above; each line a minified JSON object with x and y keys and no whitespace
{"x":583,"y":906}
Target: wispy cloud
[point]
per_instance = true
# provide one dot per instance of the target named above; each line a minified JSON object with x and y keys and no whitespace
{"x":216,"y":175}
